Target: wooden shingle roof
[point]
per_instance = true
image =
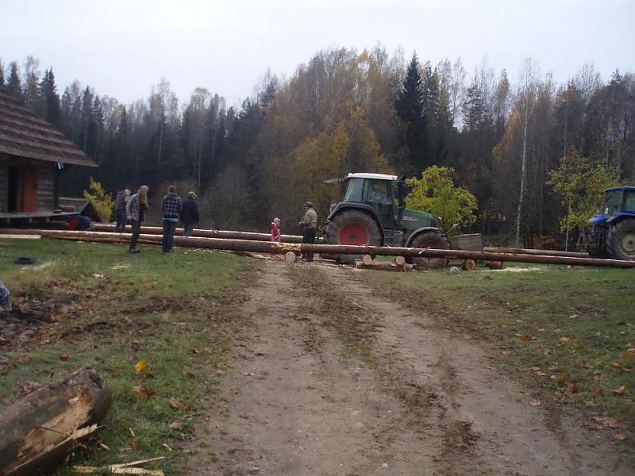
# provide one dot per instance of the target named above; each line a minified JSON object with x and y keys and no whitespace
{"x":23,"y":134}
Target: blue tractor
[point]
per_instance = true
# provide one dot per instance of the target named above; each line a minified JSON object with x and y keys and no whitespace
{"x":612,"y":233}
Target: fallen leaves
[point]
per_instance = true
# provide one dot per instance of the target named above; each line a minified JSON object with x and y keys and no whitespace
{"x":619,"y":367}
{"x":175,"y":426}
{"x":141,"y":366}
{"x":28,"y":386}
{"x":535,"y":403}
{"x":141,"y":392}
{"x":174,"y":403}
{"x":527,"y":338}
{"x":563,"y":379}
{"x":606,"y":421}
{"x":619,"y":391}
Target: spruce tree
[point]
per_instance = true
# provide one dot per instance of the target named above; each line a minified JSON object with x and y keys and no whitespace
{"x":409,"y":108}
{"x":1,"y":73}
{"x":51,"y":101}
{"x":14,"y":85}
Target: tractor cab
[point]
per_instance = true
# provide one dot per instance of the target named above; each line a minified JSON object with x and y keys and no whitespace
{"x":373,"y":212}
{"x":612,"y":232}
{"x":379,"y":192}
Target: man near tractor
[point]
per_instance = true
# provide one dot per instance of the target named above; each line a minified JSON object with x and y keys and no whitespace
{"x":309,"y":223}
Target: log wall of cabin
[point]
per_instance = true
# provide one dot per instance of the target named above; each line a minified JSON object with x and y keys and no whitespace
{"x":45,"y":188}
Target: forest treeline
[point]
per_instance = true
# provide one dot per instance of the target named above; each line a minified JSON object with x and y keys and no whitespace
{"x":346,"y":111}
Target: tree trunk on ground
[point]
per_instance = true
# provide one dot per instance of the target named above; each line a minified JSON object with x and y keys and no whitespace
{"x":40,"y":428}
{"x":528,"y":251}
{"x":282,"y":248}
{"x":198,"y":232}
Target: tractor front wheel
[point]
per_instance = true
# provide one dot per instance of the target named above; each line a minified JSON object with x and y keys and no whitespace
{"x":352,"y":227}
{"x":621,"y":240}
{"x":430,"y":239}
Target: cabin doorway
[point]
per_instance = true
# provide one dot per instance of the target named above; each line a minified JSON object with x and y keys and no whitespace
{"x":22,"y":189}
{"x":14,"y":200}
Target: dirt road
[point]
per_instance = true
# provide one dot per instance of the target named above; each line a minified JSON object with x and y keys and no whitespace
{"x":329,"y":379}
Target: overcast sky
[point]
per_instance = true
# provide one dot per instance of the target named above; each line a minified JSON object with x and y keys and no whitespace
{"x":123,"y":47}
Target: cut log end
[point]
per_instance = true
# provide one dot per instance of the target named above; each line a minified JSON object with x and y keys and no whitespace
{"x":495,"y":265}
{"x":290,"y":257}
{"x":400,"y":260}
{"x":367,"y":259}
{"x":469,"y":265}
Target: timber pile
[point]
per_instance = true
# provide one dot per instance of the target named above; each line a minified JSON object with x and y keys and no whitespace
{"x":39,"y":429}
{"x":282,"y":248}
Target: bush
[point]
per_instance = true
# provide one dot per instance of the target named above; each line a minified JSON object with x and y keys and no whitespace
{"x":436,"y":193}
{"x":100,"y":200}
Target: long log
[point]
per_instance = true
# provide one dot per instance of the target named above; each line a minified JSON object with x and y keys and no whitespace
{"x":39,"y":429}
{"x":278,"y":248}
{"x":464,"y":254}
{"x":530,"y":251}
{"x":200,"y":232}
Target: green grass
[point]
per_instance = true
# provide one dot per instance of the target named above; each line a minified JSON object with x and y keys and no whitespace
{"x":115,"y":309}
{"x":566,"y":331}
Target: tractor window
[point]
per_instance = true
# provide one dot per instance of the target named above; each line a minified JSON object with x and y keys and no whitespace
{"x":378,"y":192}
{"x":629,"y":201}
{"x":613,"y":202}
{"x":354,"y":190}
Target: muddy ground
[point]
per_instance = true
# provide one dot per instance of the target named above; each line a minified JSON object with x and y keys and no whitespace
{"x":327,"y":378}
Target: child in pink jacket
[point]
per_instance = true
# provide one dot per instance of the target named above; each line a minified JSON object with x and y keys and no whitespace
{"x":275,"y":230}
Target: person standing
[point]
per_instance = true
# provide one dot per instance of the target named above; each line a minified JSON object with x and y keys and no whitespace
{"x":189,"y":213}
{"x":275,"y":230}
{"x":171,"y":210}
{"x":309,"y":223}
{"x":135,"y":211}
{"x":120,"y":208}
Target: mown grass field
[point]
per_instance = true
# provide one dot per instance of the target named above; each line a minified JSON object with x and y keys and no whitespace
{"x":112,"y":310}
{"x":569,"y":333}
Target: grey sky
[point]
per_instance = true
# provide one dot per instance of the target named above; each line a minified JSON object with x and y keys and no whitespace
{"x":123,"y":47}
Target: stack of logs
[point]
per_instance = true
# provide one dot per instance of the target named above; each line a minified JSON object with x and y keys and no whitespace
{"x":152,"y":235}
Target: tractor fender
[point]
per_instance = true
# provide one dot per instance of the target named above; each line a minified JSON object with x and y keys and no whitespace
{"x":342,"y":206}
{"x":418,"y":231}
{"x":617,"y":218}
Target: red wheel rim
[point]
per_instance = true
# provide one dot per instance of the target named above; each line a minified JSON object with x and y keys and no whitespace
{"x":354,"y":234}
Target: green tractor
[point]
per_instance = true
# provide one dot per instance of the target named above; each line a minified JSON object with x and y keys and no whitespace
{"x":373,"y":212}
{"x":612,"y":233}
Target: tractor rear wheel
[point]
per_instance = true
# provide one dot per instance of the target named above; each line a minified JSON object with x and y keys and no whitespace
{"x":621,"y":240}
{"x":430,"y":239}
{"x":352,"y":227}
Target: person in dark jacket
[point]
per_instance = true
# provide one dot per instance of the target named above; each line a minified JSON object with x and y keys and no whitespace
{"x":135,"y":210}
{"x":171,"y":210}
{"x":189,"y":213}
{"x":120,"y":208}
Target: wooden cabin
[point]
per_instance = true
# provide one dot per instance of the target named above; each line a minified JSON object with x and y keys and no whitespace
{"x":33,"y":158}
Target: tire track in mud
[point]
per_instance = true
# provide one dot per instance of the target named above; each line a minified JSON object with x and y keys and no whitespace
{"x":484,"y":419}
{"x":328,"y":378}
